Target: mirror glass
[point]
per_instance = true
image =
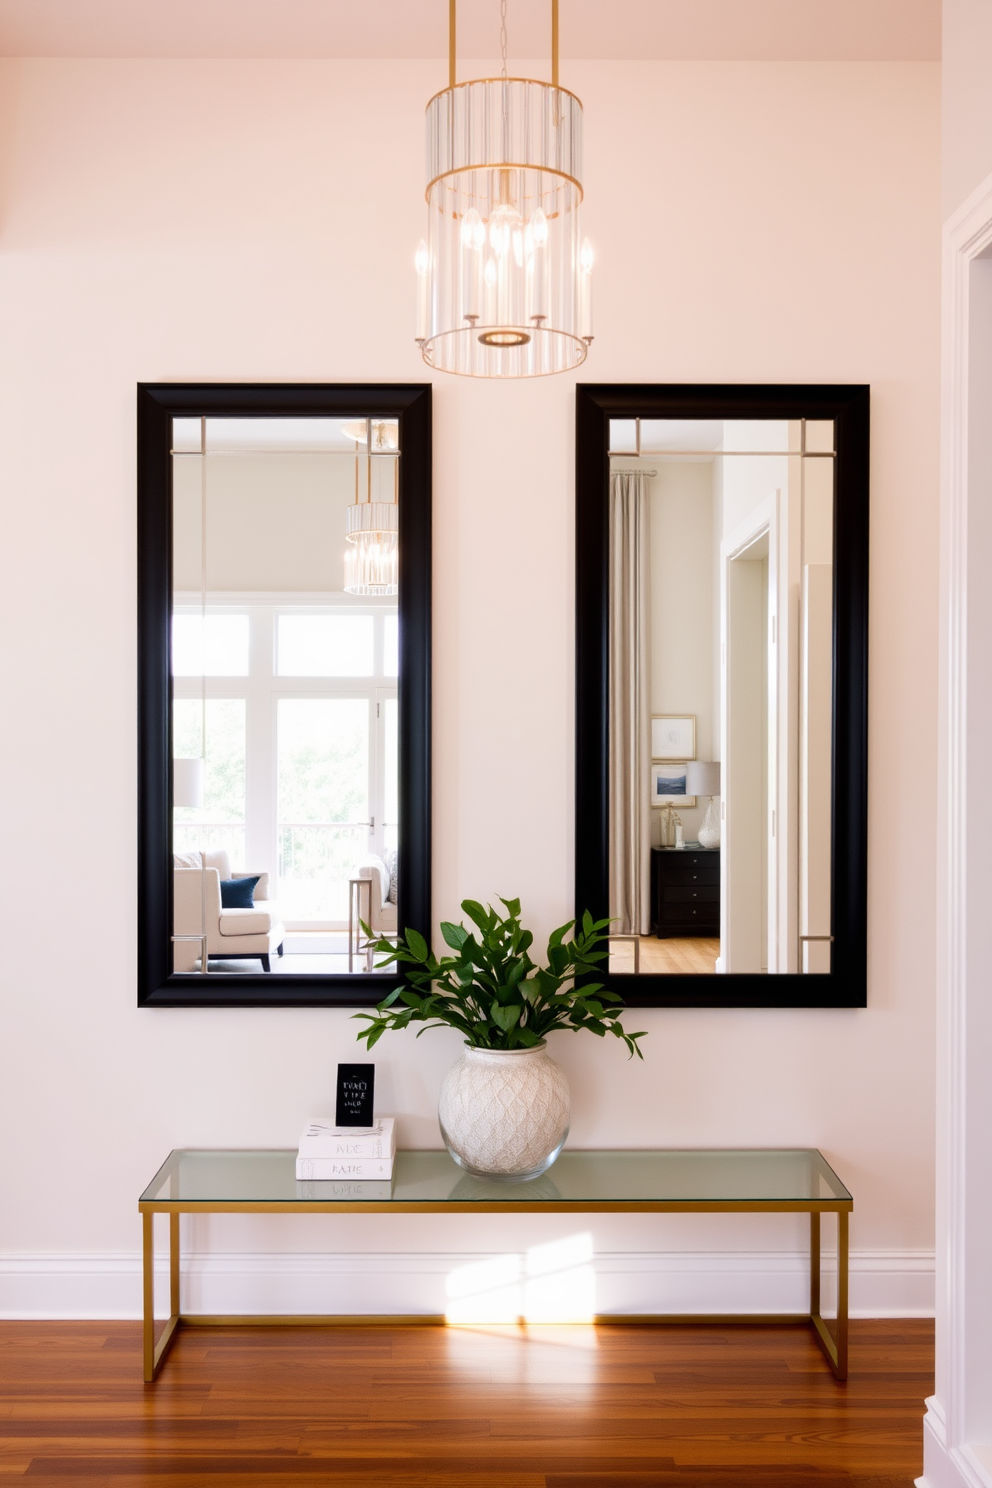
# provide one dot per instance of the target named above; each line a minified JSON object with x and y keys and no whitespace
{"x":721,"y":629}
{"x":285,"y":680}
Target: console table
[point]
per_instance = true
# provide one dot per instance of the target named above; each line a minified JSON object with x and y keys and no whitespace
{"x":735,"y":1180}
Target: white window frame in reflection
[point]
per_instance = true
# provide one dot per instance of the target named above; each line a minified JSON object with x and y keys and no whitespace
{"x":263,"y":687}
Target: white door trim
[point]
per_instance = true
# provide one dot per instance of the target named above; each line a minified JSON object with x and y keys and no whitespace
{"x":954,"y":1434}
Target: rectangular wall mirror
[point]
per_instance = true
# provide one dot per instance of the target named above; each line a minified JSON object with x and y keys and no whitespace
{"x":721,"y":669}
{"x":285,"y":669}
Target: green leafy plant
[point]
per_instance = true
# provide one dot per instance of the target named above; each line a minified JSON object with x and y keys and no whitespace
{"x":491,"y":990}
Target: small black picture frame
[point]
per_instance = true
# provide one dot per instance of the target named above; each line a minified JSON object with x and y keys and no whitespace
{"x":355,"y":1100}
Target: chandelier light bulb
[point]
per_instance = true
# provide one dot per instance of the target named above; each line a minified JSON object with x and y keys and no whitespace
{"x":585,"y":291}
{"x":422,"y":261}
{"x":473,"y":230}
{"x":539,"y":228}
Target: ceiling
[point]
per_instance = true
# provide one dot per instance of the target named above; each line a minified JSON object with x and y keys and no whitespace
{"x":703,"y":30}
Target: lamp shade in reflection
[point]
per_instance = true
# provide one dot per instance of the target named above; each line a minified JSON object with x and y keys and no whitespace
{"x":702,"y":778}
{"x":187,"y":782}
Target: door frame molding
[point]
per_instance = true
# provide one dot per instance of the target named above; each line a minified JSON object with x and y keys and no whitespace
{"x":952,"y":1426}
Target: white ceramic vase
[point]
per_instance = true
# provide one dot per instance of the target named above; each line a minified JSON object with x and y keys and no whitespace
{"x":504,"y":1112}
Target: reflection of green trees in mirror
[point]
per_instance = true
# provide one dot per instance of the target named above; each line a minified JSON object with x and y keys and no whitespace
{"x":315,"y":864}
{"x":323,"y":777}
{"x":323,"y":759}
{"x":224,"y":770}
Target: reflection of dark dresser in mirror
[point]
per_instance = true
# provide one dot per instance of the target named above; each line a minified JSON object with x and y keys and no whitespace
{"x":685,"y":891}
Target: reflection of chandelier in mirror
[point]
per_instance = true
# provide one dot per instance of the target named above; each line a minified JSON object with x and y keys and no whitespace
{"x":504,"y":277}
{"x":385,"y":433}
{"x":371,"y":560}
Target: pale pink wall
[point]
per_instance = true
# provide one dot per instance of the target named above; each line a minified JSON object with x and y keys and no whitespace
{"x":967,"y":99}
{"x":753,"y":222}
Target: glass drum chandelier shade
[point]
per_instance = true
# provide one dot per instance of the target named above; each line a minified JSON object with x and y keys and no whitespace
{"x":504,"y":278}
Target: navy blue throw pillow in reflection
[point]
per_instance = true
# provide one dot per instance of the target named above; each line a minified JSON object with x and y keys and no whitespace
{"x":238,"y":893}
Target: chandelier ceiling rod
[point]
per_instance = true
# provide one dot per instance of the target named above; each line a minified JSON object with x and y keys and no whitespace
{"x":453,"y":49}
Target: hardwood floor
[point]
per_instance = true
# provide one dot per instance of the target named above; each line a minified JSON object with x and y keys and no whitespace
{"x":569,"y":1407}
{"x":688,"y":953}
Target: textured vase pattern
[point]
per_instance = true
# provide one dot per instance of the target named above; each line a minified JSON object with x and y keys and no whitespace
{"x":504,"y":1111}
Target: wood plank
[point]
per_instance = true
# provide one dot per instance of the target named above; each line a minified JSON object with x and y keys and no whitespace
{"x":607,"y":1407}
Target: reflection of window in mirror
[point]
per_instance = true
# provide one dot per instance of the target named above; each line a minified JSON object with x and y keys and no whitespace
{"x":285,"y":662}
{"x":720,"y":695}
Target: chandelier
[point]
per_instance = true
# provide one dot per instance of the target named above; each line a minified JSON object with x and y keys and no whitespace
{"x":504,"y":276}
{"x":371,"y":560}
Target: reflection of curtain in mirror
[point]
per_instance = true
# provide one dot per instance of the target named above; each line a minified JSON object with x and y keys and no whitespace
{"x":630,"y":712}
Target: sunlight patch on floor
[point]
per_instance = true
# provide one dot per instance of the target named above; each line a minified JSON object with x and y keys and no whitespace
{"x":549,"y":1283}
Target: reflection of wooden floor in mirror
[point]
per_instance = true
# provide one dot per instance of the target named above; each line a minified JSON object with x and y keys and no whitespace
{"x":695,"y":955}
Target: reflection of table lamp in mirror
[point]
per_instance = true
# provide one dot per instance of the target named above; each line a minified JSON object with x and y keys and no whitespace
{"x":187,"y":782}
{"x":702,"y":778}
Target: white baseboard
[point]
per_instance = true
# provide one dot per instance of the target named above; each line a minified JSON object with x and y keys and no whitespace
{"x":473,"y":1287}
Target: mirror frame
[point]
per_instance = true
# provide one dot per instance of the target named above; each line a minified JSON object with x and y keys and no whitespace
{"x":158,"y":405}
{"x":848,"y":406}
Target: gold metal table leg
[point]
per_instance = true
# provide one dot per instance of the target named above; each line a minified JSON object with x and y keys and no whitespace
{"x":833,"y":1342}
{"x":174,"y":1265}
{"x":148,"y":1296}
{"x":843,"y":1258}
{"x":154,"y":1353}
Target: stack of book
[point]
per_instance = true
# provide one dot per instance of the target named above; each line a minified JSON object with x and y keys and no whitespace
{"x":346,"y":1152}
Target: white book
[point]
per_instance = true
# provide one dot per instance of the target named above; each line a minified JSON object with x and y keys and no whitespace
{"x":343,"y":1169}
{"x":321,"y":1138}
{"x":356,"y":1189}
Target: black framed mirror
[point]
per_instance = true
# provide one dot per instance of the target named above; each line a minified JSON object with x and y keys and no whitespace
{"x":284,"y":644}
{"x":721,"y":690}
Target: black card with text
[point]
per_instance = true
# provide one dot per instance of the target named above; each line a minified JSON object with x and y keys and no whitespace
{"x":356,"y":1095}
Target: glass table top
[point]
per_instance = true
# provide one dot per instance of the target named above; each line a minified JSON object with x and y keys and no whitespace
{"x":692,"y":1175}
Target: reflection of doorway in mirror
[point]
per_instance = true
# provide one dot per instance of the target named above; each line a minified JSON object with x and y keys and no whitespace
{"x":746,"y":930}
{"x":285,"y":681}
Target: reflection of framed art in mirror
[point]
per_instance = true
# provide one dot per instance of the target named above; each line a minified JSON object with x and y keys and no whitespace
{"x":668,"y":784}
{"x":673,"y":736}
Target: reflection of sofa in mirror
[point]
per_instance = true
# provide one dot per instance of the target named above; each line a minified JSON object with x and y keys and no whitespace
{"x":372,"y":898}
{"x":230,"y":933}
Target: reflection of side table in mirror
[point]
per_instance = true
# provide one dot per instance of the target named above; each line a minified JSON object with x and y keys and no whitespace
{"x":355,"y":916}
{"x":685,"y":891}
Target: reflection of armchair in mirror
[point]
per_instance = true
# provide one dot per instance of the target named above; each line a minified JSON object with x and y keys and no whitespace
{"x":284,"y":607}
{"x":721,"y":669}
{"x":239,"y":926}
